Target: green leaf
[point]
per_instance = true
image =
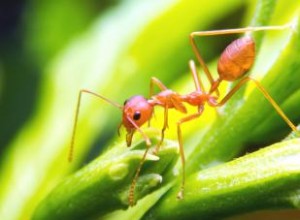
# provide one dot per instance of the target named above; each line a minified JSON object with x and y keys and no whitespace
{"x":266,"y":179}
{"x":105,"y":183}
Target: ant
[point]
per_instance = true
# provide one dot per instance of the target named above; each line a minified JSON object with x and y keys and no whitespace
{"x":237,"y":58}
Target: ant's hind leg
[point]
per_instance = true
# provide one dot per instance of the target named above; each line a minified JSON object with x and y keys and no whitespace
{"x":196,"y":50}
{"x":264,"y":92}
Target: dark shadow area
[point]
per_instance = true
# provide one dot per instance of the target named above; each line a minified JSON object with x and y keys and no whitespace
{"x":19,"y":75}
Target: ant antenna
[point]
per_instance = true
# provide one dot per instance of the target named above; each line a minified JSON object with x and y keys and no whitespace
{"x":82,"y":91}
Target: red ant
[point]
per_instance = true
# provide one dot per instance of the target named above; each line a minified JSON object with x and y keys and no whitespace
{"x":235,"y":61}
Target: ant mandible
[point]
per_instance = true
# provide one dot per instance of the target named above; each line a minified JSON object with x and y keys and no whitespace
{"x":237,"y":58}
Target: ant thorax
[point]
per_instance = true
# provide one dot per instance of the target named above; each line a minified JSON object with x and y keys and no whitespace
{"x":168,"y":98}
{"x":196,"y":98}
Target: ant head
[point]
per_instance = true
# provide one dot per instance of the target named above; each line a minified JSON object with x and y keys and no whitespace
{"x":136,"y":111}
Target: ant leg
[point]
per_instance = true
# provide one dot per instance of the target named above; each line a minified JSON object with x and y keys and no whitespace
{"x":165,"y":126}
{"x":137,"y":173}
{"x":146,"y":138}
{"x":200,"y":59}
{"x":162,"y":87}
{"x":214,"y":84}
{"x":158,"y":83}
{"x":264,"y":92}
{"x":198,"y":83}
{"x":136,"y":176}
{"x":181,"y":150}
{"x":82,"y":91}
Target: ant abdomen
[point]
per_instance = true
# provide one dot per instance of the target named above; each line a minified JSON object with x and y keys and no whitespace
{"x":236,"y":59}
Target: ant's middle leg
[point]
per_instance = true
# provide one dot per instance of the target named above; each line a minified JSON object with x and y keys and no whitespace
{"x":198,"y":83}
{"x":181,"y":150}
{"x":162,"y":87}
{"x":158,"y":83}
{"x":165,"y":126}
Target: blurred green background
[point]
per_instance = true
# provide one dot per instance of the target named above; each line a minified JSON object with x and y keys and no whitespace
{"x":49,"y":50}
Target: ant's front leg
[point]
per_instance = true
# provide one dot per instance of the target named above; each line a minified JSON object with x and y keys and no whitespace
{"x":137,"y":173}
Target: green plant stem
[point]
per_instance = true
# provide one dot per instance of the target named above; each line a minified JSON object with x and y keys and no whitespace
{"x":266,"y":179}
{"x":103,"y":185}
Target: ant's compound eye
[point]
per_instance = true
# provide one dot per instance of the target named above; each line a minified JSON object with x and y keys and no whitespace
{"x":137,"y":116}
